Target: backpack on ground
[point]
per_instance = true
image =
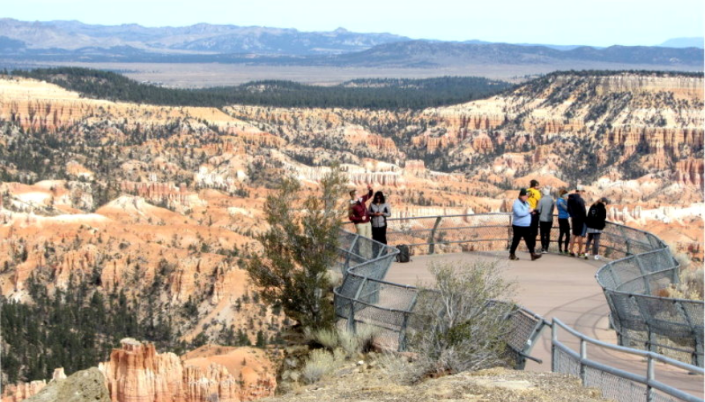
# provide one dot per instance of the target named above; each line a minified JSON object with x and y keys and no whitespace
{"x":403,"y":255}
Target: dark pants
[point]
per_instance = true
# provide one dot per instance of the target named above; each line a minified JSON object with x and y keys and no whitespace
{"x":380,"y":234}
{"x":519,"y":233}
{"x":534,"y":225}
{"x":593,"y":237}
{"x":564,"y":227}
{"x":545,"y":234}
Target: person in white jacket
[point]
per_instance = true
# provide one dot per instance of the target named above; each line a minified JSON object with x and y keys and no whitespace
{"x":379,"y":210}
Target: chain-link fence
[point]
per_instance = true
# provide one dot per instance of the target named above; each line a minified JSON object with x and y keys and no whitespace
{"x":641,"y":318}
{"x":364,"y":298}
{"x":641,"y":266}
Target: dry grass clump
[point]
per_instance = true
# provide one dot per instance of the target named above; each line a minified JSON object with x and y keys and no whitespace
{"x":690,"y":285}
{"x":339,"y":345}
{"x":319,"y":362}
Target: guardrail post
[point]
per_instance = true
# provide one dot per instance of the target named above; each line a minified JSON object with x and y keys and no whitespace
{"x":432,"y":237}
{"x":405,"y":323}
{"x":349,"y":253}
{"x":647,"y":286}
{"x":649,"y":379}
{"x":509,"y":232}
{"x":583,"y":357}
{"x":626,"y":240}
{"x":696,"y":357}
{"x":554,"y":340}
{"x":351,"y":320}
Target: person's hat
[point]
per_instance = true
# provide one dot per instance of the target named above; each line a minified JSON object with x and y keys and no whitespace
{"x":580,"y":187}
{"x":605,"y":200}
{"x":523,"y":192}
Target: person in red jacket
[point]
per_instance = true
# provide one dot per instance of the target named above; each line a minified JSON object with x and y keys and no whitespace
{"x":358,"y":213}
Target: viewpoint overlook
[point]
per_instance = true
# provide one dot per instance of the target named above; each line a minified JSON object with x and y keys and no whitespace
{"x":124,"y":221}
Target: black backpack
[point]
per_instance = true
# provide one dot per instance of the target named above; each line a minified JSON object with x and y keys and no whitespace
{"x":403,"y":255}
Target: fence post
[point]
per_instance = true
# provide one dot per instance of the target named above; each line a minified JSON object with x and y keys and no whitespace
{"x":351,"y":320}
{"x":432,"y":238}
{"x":509,"y":232}
{"x":647,"y":286}
{"x":554,"y":340}
{"x":583,"y":356}
{"x":626,"y":240}
{"x":696,"y":358}
{"x":405,"y":323}
{"x":649,"y":379}
{"x":349,"y":253}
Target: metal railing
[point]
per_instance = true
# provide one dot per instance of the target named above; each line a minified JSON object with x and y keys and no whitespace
{"x":364,"y":298}
{"x":616,"y":384}
{"x":642,"y":318}
{"x":641,"y":265}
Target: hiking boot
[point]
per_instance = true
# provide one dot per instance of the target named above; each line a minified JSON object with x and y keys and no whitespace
{"x":535,"y":256}
{"x":513,"y":257}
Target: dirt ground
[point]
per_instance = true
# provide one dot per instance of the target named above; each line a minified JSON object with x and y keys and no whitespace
{"x":365,"y":382}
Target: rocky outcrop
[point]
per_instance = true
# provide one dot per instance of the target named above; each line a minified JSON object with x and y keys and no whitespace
{"x":82,"y":386}
{"x":136,"y":372}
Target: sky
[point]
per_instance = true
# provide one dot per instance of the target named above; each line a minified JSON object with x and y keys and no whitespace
{"x":558,"y":22}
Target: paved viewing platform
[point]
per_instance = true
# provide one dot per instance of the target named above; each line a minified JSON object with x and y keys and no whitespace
{"x":557,"y":286}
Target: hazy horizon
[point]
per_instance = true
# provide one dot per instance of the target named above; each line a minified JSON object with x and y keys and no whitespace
{"x":597,"y":23}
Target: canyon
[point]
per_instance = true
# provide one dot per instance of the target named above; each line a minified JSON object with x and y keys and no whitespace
{"x":164,"y":203}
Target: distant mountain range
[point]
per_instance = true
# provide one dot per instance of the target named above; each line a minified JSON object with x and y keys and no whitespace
{"x":684,"y":42}
{"x":73,"y":41}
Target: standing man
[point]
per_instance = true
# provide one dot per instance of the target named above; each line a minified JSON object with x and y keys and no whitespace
{"x":576,"y":210}
{"x":358,"y":212}
{"x":546,"y":219}
{"x":521,"y":226}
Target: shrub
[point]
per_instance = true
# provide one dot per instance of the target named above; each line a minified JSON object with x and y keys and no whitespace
{"x":457,"y":326}
{"x":319,"y":362}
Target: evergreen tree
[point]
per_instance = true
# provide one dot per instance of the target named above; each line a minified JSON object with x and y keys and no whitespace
{"x":299,"y":247}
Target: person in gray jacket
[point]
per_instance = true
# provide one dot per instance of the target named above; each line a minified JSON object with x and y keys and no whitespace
{"x":545,"y":209}
{"x":379,"y":210}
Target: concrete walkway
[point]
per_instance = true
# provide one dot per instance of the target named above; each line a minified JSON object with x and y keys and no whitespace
{"x":555,"y":286}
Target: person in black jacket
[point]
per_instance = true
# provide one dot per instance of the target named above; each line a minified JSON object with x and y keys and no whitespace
{"x":595,"y":222}
{"x":576,"y":210}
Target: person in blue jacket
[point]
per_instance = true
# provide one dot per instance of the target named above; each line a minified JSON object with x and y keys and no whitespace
{"x":521,"y":226}
{"x":563,"y":223}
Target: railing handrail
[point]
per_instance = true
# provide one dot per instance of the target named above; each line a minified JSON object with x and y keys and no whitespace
{"x":624,"y":349}
{"x":648,"y":380}
{"x":644,"y":251}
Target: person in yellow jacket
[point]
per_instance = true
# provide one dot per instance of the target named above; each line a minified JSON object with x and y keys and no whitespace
{"x":533,"y":200}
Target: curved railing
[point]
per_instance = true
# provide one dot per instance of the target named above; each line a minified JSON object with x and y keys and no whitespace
{"x":642,"y":318}
{"x":616,"y":384}
{"x":641,"y":265}
{"x":365,"y":298}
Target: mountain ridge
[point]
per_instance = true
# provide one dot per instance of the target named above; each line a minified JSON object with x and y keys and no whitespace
{"x":73,"y":41}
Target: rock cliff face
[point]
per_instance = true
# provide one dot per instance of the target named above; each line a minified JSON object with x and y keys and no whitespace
{"x":136,"y":372}
{"x":83,"y":386}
